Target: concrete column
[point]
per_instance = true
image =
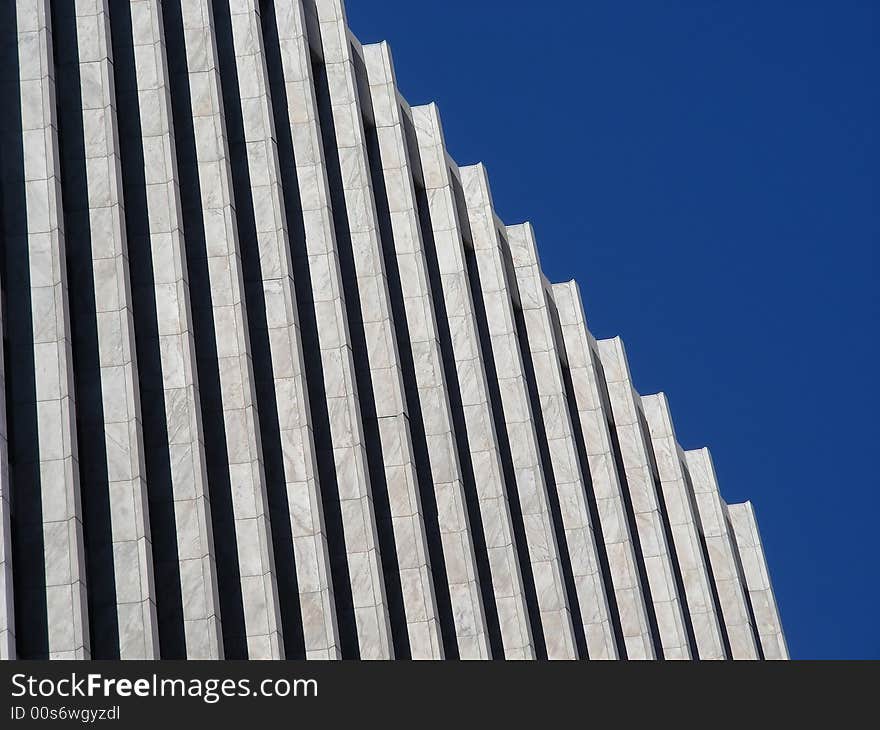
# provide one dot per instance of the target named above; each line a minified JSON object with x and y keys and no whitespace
{"x":233,"y":362}
{"x":646,"y":505}
{"x":757,"y":578}
{"x":541,"y":346}
{"x":285,"y":341}
{"x":498,"y":291}
{"x":56,"y":419}
{"x":421,"y":327}
{"x":361,"y":547}
{"x":166,"y":288}
{"x":683,"y":520}
{"x":447,"y":229}
{"x":594,"y":414}
{"x":7,"y":603}
{"x":723,"y":556}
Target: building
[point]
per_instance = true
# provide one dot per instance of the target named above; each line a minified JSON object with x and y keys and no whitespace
{"x":280,"y":383}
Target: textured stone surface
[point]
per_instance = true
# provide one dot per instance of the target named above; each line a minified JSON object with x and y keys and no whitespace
{"x":297,"y":482}
{"x":741,"y":519}
{"x":163,"y":284}
{"x":683,"y":522}
{"x":384,"y":410}
{"x":277,"y":382}
{"x":448,"y":229}
{"x":419,"y":333}
{"x":498,"y":291}
{"x":645,"y":499}
{"x":568,"y":480}
{"x":116,"y":467}
{"x":231,"y":355}
{"x":59,"y":478}
{"x":344,"y":447}
{"x":590,"y":395}
{"x":723,"y":556}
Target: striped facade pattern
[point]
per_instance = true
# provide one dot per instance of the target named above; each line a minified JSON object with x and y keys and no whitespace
{"x":279,"y":383}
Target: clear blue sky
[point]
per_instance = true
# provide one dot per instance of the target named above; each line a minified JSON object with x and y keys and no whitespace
{"x":707,"y":172}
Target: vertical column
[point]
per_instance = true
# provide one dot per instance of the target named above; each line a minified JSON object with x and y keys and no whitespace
{"x":373,"y":317}
{"x":117,"y":418}
{"x":421,"y":328}
{"x":228,"y":317}
{"x":53,"y":379}
{"x":593,"y":414}
{"x":161,"y":285}
{"x":9,"y":181}
{"x":722,"y":555}
{"x":294,"y":420}
{"x":7,"y":604}
{"x":497,"y":290}
{"x":566,"y":468}
{"x":645,"y":501}
{"x":446,"y":235}
{"x":680,"y":511}
{"x":757,"y":579}
{"x":360,"y":551}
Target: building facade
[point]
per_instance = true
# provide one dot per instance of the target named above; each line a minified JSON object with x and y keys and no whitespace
{"x":279,"y":383}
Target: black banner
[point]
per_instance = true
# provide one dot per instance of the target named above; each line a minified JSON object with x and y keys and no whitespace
{"x":142,"y":694}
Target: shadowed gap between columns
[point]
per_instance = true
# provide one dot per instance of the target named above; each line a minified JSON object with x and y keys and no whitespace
{"x":261,"y":356}
{"x":28,"y":565}
{"x":216,"y":452}
{"x":574,"y":605}
{"x":366,"y":398}
{"x":326,"y":466}
{"x":417,"y":427}
{"x":86,"y":361}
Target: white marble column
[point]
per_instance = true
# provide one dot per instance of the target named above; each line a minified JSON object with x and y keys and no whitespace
{"x":233,"y":360}
{"x":447,"y":231}
{"x":722,"y":555}
{"x":346,"y":430}
{"x":540,"y":345}
{"x":681,"y":513}
{"x":594,"y":411}
{"x":376,"y":319}
{"x":180,"y":390}
{"x":397,"y":169}
{"x":297,"y":442}
{"x":56,"y":418}
{"x":757,"y":580}
{"x":640,"y":480}
{"x":498,"y":289}
{"x":121,"y":430}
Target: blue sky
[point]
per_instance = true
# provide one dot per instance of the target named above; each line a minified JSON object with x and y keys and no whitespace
{"x":707,"y":172}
